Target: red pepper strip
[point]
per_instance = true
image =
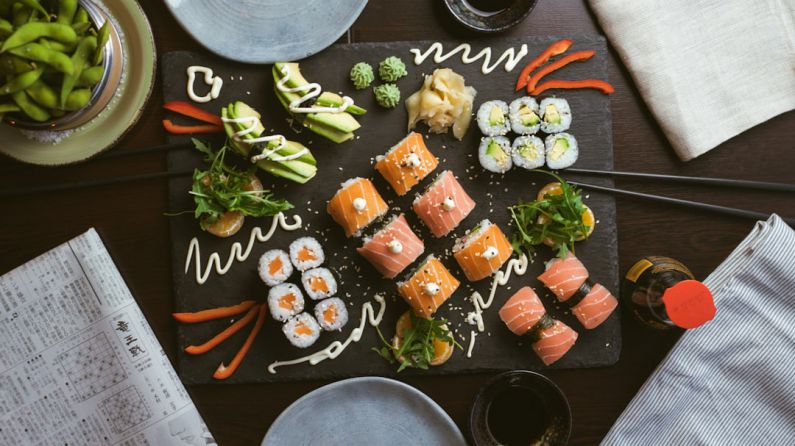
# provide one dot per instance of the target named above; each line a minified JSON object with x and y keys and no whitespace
{"x":556,"y":48}
{"x":190,"y":110}
{"x":222,"y":336}
{"x":213,"y":313}
{"x":223,"y":372}
{"x":602,"y":86}
{"x":556,"y":65}
{"x":190,"y":129}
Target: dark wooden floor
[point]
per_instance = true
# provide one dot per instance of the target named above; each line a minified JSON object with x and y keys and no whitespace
{"x":130,"y":219}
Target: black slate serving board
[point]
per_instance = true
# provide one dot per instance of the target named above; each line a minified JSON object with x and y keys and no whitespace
{"x":497,"y":349}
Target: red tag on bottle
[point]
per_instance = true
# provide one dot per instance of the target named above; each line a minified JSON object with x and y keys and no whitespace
{"x":689,"y":304}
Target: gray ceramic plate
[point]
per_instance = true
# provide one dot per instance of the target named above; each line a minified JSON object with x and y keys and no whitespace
{"x":364,"y":411}
{"x":266,"y":31}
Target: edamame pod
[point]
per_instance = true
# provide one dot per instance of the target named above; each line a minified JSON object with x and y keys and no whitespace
{"x":77,"y":99}
{"x":30,"y":109}
{"x":40,"y":53}
{"x":32,"y":31}
{"x":90,"y":76}
{"x":9,"y":108}
{"x":58,"y":46}
{"x":81,"y":16}
{"x":12,"y":65}
{"x":43,"y":94}
{"x":66,"y":11}
{"x":21,"y":82}
{"x":34,"y":5}
{"x":20,"y":14}
{"x":5,"y":28}
{"x":81,"y":28}
{"x":102,"y":38}
{"x":80,"y":59}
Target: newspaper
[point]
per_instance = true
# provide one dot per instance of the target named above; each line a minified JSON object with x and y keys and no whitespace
{"x":79,"y":364}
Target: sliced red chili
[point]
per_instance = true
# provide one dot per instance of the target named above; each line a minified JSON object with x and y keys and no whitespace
{"x":556,"y":65}
{"x":192,"y":111}
{"x":190,"y":129}
{"x":555,"y":49}
{"x":602,"y":86}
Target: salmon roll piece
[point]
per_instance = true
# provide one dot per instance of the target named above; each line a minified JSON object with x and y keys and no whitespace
{"x":302,"y":331}
{"x":306,"y":253}
{"x":355,"y":205}
{"x":554,"y":341}
{"x":393,"y":248}
{"x":319,"y":283}
{"x":595,"y":307}
{"x":443,"y":205}
{"x":564,"y":276}
{"x":406,"y":163}
{"x":428,"y":287}
{"x":274,"y":267}
{"x":331,"y":314}
{"x":285,"y":301}
{"x":482,"y":251}
{"x":522,"y":311}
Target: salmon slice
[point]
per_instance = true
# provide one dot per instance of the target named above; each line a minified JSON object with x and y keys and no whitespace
{"x":564,"y":276}
{"x":318,"y":284}
{"x":356,"y":205}
{"x":444,"y":204}
{"x":522,"y":311}
{"x":306,"y":254}
{"x":483,"y":251}
{"x":554,"y":342}
{"x":275,"y":266}
{"x":393,"y":248}
{"x":302,"y":329}
{"x":428,"y":287}
{"x":595,"y":307}
{"x":330,"y":315}
{"x":287,"y":301}
{"x":407,"y":163}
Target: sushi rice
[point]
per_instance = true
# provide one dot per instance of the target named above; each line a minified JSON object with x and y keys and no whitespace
{"x":524,"y":116}
{"x":528,"y":152}
{"x":331,"y":314}
{"x":555,"y":115}
{"x":493,"y":118}
{"x":561,"y":150}
{"x":494,"y":154}
{"x":306,"y":253}
{"x":285,"y":301}
{"x":274,"y":267}
{"x":302,"y":331}
{"x":319,"y":283}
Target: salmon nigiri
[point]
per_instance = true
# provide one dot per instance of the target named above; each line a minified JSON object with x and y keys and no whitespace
{"x":482,"y":251}
{"x":522,"y":311}
{"x":355,"y":205}
{"x":393,"y":248}
{"x":428,"y":287}
{"x":553,"y":342}
{"x":406,"y":163}
{"x":564,"y":276}
{"x":595,"y":307}
{"x":444,"y":204}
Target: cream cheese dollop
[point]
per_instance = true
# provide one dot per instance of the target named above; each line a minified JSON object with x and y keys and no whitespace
{"x":489,"y":253}
{"x":359,"y":204}
{"x":431,"y":289}
{"x":412,"y":161}
{"x":448,"y":204}
{"x":395,"y":247}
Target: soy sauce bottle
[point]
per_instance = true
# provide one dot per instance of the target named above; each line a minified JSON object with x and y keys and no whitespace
{"x":662,"y":293}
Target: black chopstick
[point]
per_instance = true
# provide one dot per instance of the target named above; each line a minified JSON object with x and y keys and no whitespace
{"x":19,"y":191}
{"x":132,"y":152}
{"x":685,"y":203}
{"x":745,"y":184}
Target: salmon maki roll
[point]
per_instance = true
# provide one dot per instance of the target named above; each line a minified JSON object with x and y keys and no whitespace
{"x":564,"y":276}
{"x":443,"y":205}
{"x":522,"y":311}
{"x":595,"y":307}
{"x":393,"y":248}
{"x":356,"y":205}
{"x":406,"y":163}
{"x":482,"y":251}
{"x":428,"y":287}
{"x":553,"y":342}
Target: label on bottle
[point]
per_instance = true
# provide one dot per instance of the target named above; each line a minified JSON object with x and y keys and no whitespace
{"x":637,"y":269}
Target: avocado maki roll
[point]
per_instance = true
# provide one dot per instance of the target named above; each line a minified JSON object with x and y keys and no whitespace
{"x":524,"y":116}
{"x":493,"y":118}
{"x":561,"y":150}
{"x":528,"y":152}
{"x":494,"y":154}
{"x":555,"y":115}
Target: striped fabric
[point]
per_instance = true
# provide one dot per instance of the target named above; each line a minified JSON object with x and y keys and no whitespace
{"x":732,"y":381}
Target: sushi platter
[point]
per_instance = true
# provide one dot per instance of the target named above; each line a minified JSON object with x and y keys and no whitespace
{"x":333,"y":253}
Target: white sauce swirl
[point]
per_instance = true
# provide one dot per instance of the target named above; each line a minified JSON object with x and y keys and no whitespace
{"x":252,"y":122}
{"x":510,"y":56}
{"x":309,"y":91}
{"x":517,"y":266}
{"x":215,"y":83}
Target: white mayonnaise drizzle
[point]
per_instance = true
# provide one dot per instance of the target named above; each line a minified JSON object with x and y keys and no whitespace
{"x":336,"y":348}
{"x":237,"y":253}
{"x":252,"y":122}
{"x":309,"y":91}
{"x":517,"y":266}
{"x":510,"y":56}
{"x":472,"y":334}
{"x":215,"y":83}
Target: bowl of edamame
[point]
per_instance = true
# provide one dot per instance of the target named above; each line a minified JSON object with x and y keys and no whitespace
{"x":60,"y":63}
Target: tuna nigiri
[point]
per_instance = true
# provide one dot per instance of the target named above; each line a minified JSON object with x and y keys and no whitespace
{"x":428,"y":287}
{"x":406,"y":163}
{"x":595,"y":307}
{"x":553,"y":342}
{"x":482,"y":251}
{"x":522,"y":311}
{"x":356,"y":205}
{"x":444,"y":204}
{"x":393,"y":248}
{"x":564,"y":276}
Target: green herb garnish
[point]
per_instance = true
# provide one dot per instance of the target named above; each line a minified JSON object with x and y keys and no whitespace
{"x":416,"y":347}
{"x":224,"y":188}
{"x":555,"y":218}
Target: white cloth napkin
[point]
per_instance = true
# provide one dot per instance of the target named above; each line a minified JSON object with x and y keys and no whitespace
{"x":708,"y":69}
{"x":732,"y":381}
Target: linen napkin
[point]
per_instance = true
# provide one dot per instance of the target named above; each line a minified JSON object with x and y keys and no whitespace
{"x":707,"y":69}
{"x":731,"y":381}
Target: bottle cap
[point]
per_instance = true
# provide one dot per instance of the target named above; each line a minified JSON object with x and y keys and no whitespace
{"x":689,"y":304}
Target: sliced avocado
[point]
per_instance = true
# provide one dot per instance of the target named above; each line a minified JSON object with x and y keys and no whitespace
{"x":243,"y":110}
{"x":340,"y":121}
{"x":528,"y":151}
{"x":329,"y":133}
{"x":496,"y":151}
{"x":528,"y":116}
{"x":296,"y":78}
{"x":328,"y":99}
{"x":559,"y":148}
{"x":230,"y":129}
{"x":496,"y":116}
{"x":551,"y":114}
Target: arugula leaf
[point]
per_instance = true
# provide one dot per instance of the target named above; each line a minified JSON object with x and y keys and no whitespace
{"x":416,"y":347}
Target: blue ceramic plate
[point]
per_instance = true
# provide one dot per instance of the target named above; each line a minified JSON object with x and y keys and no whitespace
{"x":266,"y":31}
{"x":364,"y":411}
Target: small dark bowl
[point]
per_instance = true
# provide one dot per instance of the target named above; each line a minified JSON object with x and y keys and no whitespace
{"x":493,"y":21}
{"x":549,"y":395}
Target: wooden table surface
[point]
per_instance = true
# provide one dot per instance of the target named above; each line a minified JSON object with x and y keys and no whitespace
{"x":130,"y":219}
